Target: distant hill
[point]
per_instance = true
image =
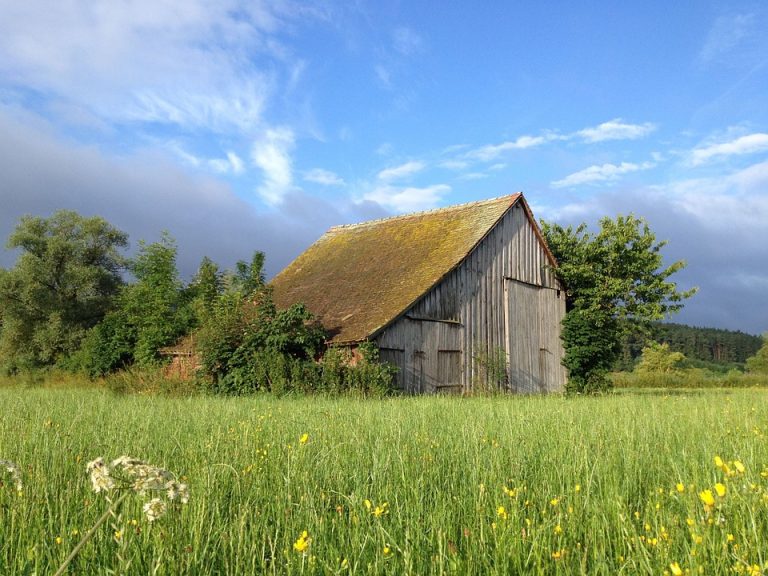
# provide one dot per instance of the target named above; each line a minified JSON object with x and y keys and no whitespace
{"x":712,"y":348}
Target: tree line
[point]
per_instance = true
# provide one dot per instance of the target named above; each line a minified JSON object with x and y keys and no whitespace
{"x":66,"y":304}
{"x":713,"y":348}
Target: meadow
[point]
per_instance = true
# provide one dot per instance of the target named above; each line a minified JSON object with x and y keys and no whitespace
{"x":629,"y":483}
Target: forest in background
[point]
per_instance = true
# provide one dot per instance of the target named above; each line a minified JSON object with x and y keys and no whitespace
{"x":714,"y":349}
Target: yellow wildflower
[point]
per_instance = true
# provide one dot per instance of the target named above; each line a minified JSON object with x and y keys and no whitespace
{"x":554,"y":502}
{"x":707,"y":497}
{"x":302,"y":543}
{"x":675,"y":569}
{"x":59,"y":540}
{"x":558,"y":529}
{"x":380,"y":510}
{"x":690,"y":521}
{"x":304,"y":438}
{"x":557,"y":554}
{"x":680,"y":487}
{"x":720,"y":489}
{"x":367,"y":504}
{"x":729,"y":537}
{"x":501,"y":512}
{"x":577,"y":488}
{"x":739,"y":467}
{"x":386,"y":550}
{"x":718,"y":462}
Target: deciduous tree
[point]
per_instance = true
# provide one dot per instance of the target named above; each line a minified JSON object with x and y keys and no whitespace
{"x":612,"y":278}
{"x":63,"y":283}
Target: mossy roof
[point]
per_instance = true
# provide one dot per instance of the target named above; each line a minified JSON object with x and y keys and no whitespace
{"x":358,"y":278}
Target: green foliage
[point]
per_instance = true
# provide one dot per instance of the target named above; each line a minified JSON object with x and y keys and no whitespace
{"x":490,"y":374}
{"x":62,"y":284}
{"x":710,"y":348}
{"x":758,"y":364}
{"x":587,"y":486}
{"x":150,"y":313}
{"x":689,"y":378}
{"x":592,"y":344}
{"x":610,"y":277}
{"x":246,"y":344}
{"x":658,"y":358}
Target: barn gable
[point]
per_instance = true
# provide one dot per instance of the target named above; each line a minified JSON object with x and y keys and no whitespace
{"x":437,"y":290}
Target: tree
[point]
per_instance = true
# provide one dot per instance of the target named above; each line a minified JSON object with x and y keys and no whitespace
{"x":244,"y":339}
{"x":150,"y":313}
{"x":758,"y":363}
{"x":63,"y":283}
{"x":613,"y":279}
{"x":658,"y":358}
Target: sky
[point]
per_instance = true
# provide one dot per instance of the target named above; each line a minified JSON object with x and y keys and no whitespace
{"x":242,"y":126}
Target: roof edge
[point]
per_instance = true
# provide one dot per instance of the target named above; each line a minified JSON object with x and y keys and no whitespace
{"x":424,"y":212}
{"x":514,"y":199}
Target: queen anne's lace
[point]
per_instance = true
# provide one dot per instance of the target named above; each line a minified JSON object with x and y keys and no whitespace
{"x":138,"y":476}
{"x":13,"y":470}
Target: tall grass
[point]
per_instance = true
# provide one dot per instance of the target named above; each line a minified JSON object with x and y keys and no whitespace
{"x":689,"y":378}
{"x":498,"y":485}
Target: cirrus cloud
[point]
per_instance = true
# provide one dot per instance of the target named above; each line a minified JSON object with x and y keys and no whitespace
{"x":603,"y":173}
{"x":616,"y":129}
{"x":749,"y":144}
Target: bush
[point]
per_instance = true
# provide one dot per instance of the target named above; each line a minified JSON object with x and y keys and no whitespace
{"x":688,"y":378}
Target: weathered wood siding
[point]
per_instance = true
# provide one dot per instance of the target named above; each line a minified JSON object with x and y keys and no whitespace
{"x":504,"y":299}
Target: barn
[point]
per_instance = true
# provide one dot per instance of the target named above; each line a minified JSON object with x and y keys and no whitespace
{"x":447,"y":295}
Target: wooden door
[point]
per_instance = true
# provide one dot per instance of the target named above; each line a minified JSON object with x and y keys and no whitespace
{"x":523,"y":337}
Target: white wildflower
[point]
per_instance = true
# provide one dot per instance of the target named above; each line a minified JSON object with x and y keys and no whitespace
{"x":177,"y":490}
{"x":154,"y":509}
{"x":100,"y":476}
{"x":13,"y":470}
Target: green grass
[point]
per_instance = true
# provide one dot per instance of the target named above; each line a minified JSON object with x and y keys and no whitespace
{"x":591,"y":483}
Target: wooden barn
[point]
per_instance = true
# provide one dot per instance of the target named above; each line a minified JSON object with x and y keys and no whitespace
{"x":443,"y":293}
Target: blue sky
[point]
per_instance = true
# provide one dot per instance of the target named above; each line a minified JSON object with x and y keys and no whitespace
{"x":240,"y":126}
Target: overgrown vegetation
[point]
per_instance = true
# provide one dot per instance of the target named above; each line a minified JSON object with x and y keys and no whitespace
{"x":661,"y":367}
{"x":64,"y":306}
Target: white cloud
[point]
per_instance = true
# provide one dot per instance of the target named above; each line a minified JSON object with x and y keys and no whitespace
{"x":272,"y":153}
{"x":616,"y":129}
{"x":323,"y":177}
{"x":606,"y":172}
{"x":454,"y":164}
{"x":401,"y":171}
{"x":737,"y":199}
{"x":409,"y":199}
{"x":384,"y":75}
{"x":473,"y":176}
{"x":406,"y":41}
{"x":493,"y":151}
{"x":726,"y":34}
{"x":235,"y":162}
{"x":749,"y":144}
{"x":231,"y":164}
{"x":190,"y":63}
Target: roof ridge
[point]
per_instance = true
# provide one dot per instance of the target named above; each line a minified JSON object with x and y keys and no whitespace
{"x":514,"y":195}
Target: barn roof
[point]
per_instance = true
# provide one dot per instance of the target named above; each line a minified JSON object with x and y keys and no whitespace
{"x":358,"y":278}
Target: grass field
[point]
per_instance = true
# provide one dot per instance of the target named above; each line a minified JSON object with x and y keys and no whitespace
{"x":504,"y":485}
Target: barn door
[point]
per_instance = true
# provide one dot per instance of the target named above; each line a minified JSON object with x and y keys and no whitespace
{"x":523,"y":337}
{"x":437,"y":357}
